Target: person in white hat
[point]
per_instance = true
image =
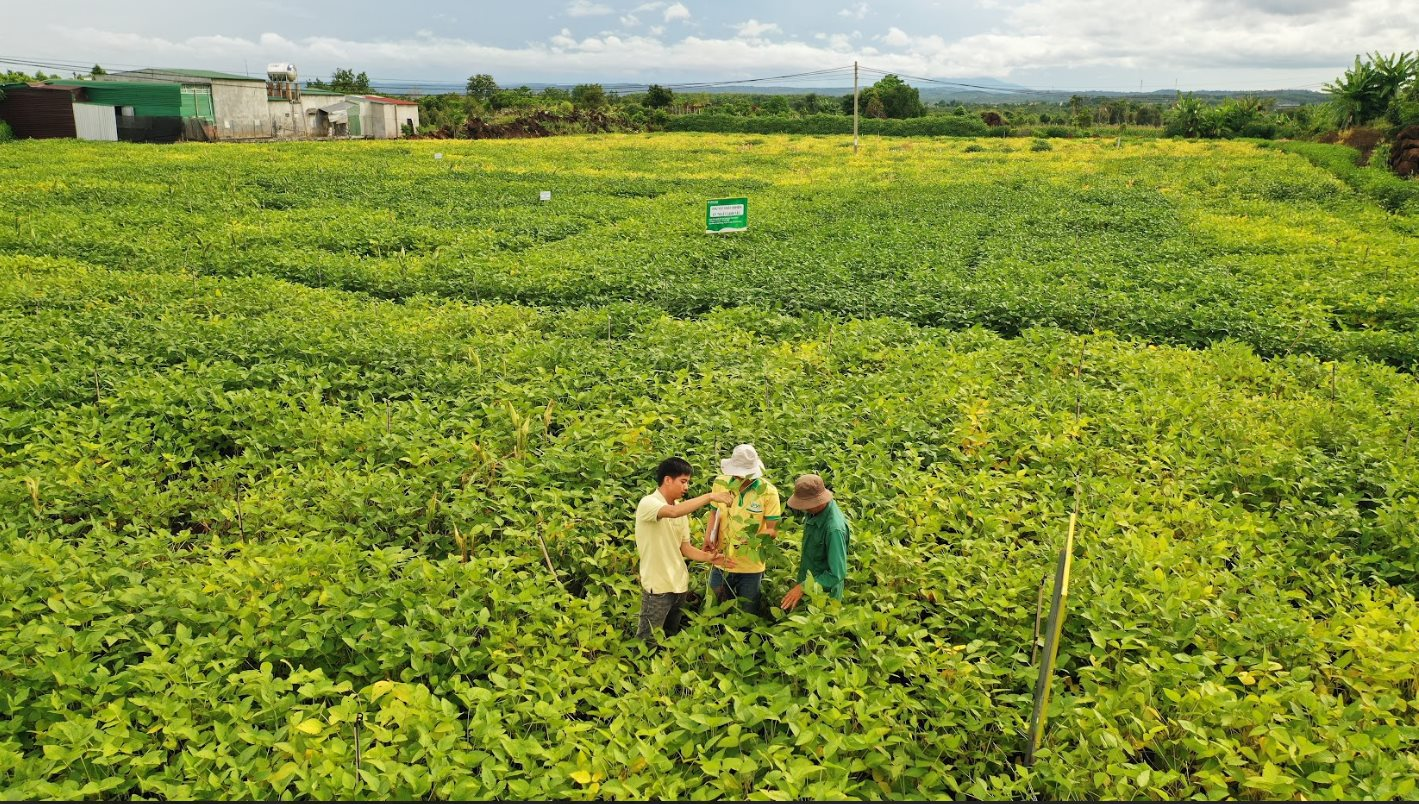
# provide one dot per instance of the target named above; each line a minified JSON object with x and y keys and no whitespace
{"x":738,"y":528}
{"x":825,"y":540}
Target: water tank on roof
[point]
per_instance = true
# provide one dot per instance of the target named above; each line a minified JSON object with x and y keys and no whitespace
{"x":281,"y":72}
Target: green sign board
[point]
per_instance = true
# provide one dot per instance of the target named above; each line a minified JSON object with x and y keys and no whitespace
{"x":727,"y":215}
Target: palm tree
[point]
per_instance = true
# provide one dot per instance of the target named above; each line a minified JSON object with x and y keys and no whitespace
{"x":1366,"y":90}
{"x":1352,"y":94}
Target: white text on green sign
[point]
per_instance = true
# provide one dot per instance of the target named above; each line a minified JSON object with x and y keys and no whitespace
{"x":727,"y":215}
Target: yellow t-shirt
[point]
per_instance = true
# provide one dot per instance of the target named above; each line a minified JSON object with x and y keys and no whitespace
{"x":658,"y":543}
{"x":743,"y":518}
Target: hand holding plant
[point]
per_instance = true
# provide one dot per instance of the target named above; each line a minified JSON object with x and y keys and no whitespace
{"x":790,"y":600}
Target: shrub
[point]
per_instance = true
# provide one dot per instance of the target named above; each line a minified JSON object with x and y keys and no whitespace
{"x":1041,"y":145}
{"x":1385,"y":188}
{"x":933,"y":126}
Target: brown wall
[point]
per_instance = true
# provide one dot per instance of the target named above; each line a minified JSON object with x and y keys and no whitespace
{"x":39,"y":113}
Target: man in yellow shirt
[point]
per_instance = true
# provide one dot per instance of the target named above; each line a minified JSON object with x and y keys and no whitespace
{"x":739,"y":527}
{"x":663,"y":542}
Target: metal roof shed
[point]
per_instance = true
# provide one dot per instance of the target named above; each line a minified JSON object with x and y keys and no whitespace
{"x":238,"y":102}
{"x":388,"y":115}
{"x":39,"y":111}
{"x":143,"y":98}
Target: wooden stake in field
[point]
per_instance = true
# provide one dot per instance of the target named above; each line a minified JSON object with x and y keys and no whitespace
{"x":547,"y":557}
{"x":241,"y":518}
{"x":1051,"y":648}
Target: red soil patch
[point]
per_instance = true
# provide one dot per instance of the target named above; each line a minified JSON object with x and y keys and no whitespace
{"x":1363,"y":140}
{"x":1404,"y":153}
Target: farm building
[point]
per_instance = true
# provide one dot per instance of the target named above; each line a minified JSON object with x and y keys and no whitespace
{"x":328,"y":114}
{"x":383,"y":118}
{"x":148,"y":112}
{"x":40,"y":111}
{"x":165,"y":105}
{"x":238,"y":103}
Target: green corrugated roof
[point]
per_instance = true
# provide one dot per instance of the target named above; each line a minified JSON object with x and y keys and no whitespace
{"x":308,"y":91}
{"x":148,"y":98}
{"x":70,"y":82}
{"x":160,"y":72}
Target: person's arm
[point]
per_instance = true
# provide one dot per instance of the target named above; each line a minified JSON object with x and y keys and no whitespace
{"x":773,"y":513}
{"x":710,"y":556}
{"x":712,"y":529}
{"x":687,"y":507}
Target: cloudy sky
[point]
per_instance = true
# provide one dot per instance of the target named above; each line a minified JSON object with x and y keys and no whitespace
{"x":1066,"y":44}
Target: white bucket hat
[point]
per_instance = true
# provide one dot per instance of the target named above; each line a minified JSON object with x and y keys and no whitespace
{"x":743,"y":462}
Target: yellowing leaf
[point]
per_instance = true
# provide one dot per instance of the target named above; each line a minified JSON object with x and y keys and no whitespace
{"x":309,"y":727}
{"x":582,"y":777}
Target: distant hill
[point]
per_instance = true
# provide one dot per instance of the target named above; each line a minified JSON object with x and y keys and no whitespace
{"x":963,"y":90}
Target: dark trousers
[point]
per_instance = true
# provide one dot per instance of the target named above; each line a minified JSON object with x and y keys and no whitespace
{"x":660,"y":611}
{"x":743,"y":586}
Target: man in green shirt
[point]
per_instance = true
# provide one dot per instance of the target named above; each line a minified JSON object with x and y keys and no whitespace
{"x":825,"y":540}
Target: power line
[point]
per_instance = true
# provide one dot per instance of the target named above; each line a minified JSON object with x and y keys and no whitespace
{"x":1004,"y":90}
{"x":817,"y":75}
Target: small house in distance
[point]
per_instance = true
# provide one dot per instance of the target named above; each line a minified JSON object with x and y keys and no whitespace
{"x":385,"y":118}
{"x":329,"y":114}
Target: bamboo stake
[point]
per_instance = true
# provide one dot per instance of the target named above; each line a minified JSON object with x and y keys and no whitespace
{"x":547,"y":556}
{"x":1039,"y":620}
{"x":1056,"y":624}
{"x":241,"y":519}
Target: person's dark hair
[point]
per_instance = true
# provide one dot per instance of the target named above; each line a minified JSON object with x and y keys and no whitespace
{"x":672,"y":467}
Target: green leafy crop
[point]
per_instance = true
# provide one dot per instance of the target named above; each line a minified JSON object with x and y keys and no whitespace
{"x":276,"y":474}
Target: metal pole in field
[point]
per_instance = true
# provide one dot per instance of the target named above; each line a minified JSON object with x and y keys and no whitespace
{"x":1056,"y":622}
{"x":854,"y":107}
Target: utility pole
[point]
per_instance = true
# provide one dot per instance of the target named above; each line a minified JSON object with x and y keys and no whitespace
{"x":854,"y":108}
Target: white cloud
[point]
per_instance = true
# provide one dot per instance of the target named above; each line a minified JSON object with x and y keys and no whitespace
{"x":677,"y":12}
{"x":586,"y":8}
{"x":896,"y":37}
{"x":840,"y":43}
{"x":1264,"y":42}
{"x":629,"y":20}
{"x":753,"y":29}
{"x":856,"y":12}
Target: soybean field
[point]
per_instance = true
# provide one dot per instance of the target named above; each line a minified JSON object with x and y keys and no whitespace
{"x":286,"y":428}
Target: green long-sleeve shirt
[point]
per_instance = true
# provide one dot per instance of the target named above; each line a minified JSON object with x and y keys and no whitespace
{"x":825,"y":540}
